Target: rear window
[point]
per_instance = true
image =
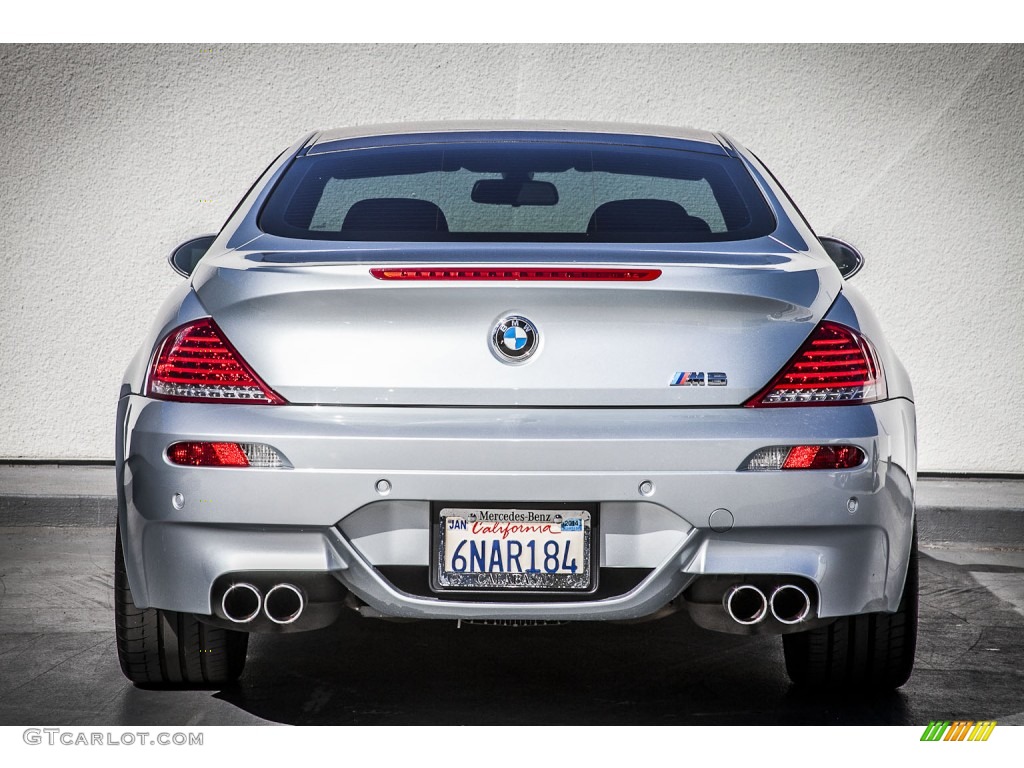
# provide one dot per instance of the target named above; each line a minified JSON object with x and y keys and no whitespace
{"x":518,"y":192}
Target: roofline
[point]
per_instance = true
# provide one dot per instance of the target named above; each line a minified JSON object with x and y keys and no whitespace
{"x":334,"y":135}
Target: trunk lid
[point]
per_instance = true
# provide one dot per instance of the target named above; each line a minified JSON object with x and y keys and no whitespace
{"x":320,"y":329}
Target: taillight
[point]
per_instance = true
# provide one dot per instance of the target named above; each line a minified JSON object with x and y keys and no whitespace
{"x":804,"y":457}
{"x":600,"y":274}
{"x":209,"y":454}
{"x":835,"y":366}
{"x":197,"y":363}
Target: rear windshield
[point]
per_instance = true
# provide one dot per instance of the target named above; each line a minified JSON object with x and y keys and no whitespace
{"x":518,"y":192}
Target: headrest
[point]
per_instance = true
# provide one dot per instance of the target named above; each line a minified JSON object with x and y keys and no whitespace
{"x":395,"y":214}
{"x":643,"y":216}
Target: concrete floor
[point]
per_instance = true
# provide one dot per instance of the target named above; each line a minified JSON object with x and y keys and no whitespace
{"x":58,"y":663}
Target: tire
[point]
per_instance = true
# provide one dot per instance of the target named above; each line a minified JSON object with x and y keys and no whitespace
{"x":167,"y":649}
{"x":873,"y":652}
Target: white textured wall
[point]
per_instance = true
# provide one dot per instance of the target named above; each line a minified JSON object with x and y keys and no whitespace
{"x":111,"y":154}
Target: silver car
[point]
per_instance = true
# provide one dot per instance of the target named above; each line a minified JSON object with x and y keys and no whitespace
{"x":516,"y":373}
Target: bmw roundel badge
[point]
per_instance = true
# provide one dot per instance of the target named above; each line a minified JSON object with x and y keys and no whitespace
{"x":514,"y":339}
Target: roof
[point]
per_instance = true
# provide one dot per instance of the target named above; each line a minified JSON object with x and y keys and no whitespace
{"x":338,"y":138}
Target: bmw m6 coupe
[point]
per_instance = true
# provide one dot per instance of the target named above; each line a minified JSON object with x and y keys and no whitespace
{"x":516,"y":373}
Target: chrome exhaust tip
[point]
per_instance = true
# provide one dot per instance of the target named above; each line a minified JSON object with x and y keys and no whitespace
{"x":284,"y":603}
{"x":241,"y":603}
{"x":745,"y":604}
{"x":790,"y":604}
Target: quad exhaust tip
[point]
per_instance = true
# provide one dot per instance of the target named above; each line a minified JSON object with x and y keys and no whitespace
{"x":241,"y":603}
{"x":746,"y":604}
{"x":284,"y":603}
{"x":790,"y":604}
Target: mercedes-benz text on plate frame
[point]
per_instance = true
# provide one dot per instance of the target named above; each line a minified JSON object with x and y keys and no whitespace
{"x":517,"y":373}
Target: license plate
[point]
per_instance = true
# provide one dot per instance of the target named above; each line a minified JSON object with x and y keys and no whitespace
{"x":514,"y":549}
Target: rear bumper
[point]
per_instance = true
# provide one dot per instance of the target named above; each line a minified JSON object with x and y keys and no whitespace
{"x":325,"y":514}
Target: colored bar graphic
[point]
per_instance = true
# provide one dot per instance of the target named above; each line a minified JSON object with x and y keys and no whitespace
{"x":958,"y":730}
{"x":982,"y":730}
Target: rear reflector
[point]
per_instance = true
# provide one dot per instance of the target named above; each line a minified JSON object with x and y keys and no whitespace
{"x":835,"y":366}
{"x":824,"y":457}
{"x":208,"y":454}
{"x":804,"y":457}
{"x":205,"y":454}
{"x":503,"y":273}
{"x":197,"y":363}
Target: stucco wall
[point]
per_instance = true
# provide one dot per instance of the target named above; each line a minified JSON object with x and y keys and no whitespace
{"x":111,"y":154}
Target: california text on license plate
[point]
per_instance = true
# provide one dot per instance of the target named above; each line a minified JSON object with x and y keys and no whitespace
{"x":514,"y":548}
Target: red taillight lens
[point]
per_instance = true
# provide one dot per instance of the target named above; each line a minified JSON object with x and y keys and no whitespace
{"x":824,"y":457}
{"x":208,"y":455}
{"x":504,"y":273}
{"x":835,"y":366}
{"x":804,"y":457}
{"x":197,"y":363}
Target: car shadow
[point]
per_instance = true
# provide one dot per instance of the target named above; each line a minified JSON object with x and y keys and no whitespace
{"x":431,"y":673}
{"x":667,"y":672}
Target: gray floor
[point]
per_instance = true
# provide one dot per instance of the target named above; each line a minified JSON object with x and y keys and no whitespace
{"x":58,"y":663}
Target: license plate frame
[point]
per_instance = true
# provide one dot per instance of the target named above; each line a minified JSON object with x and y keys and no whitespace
{"x":506,"y":582}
